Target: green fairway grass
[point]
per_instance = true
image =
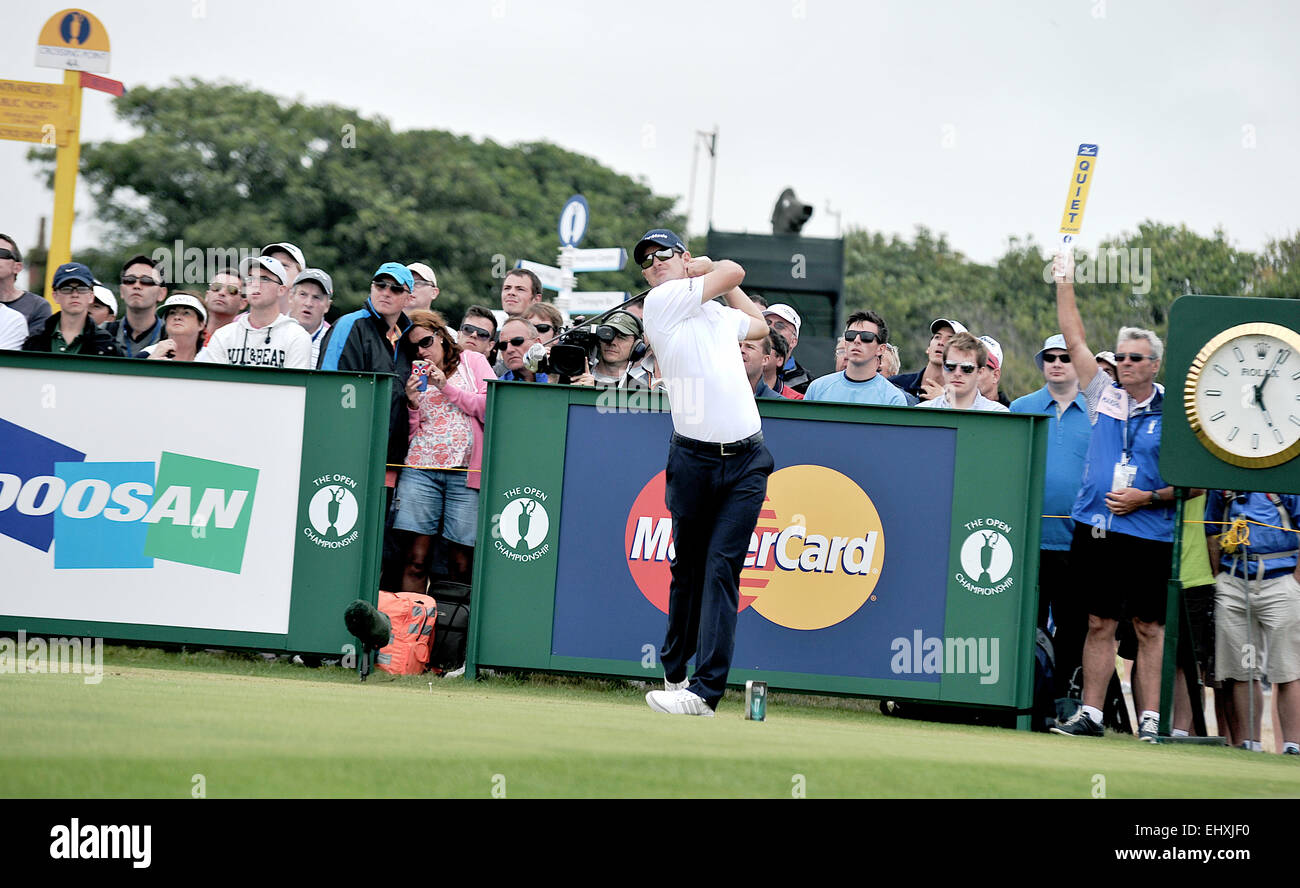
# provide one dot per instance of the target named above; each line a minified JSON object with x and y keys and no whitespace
{"x":161,"y":724}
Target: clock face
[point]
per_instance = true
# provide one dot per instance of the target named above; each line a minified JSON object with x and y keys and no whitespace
{"x":1242,"y":395}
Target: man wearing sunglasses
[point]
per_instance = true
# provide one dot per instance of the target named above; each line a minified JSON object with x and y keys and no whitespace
{"x":964,"y":357}
{"x":517,"y":337}
{"x":141,"y":291}
{"x":1123,"y":513}
{"x":717,"y":461}
{"x":35,"y":310}
{"x":478,"y":331}
{"x":224,"y":301}
{"x":71,"y":330}
{"x":1068,"y":435}
{"x":860,"y":382}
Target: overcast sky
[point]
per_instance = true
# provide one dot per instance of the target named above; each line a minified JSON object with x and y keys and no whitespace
{"x":961,"y":116}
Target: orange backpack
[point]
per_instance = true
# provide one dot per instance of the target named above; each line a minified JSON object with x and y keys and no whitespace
{"x":413,"y":617}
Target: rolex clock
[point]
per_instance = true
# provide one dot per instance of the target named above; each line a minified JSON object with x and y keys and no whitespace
{"x":1237,"y":423}
{"x":1242,"y":395}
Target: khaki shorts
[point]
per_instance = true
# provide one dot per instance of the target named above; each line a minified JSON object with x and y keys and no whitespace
{"x":1273,"y":629}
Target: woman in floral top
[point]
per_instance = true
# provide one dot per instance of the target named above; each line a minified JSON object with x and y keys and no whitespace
{"x":438,"y":490}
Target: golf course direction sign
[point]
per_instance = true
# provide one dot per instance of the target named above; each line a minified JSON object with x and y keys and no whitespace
{"x":246,"y":510}
{"x":893,"y":558}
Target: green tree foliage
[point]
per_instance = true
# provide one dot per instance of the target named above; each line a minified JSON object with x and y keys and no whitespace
{"x":224,"y":166}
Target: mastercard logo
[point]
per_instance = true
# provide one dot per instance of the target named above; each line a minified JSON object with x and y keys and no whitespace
{"x":814,"y":557}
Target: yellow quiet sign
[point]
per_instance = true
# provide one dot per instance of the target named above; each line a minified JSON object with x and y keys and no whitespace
{"x":1076,"y":198}
{"x":36,"y":112}
{"x":75,"y":39}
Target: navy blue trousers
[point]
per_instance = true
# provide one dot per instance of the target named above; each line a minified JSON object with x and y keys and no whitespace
{"x":714,"y":501}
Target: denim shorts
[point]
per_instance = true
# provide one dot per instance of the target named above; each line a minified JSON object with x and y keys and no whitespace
{"x":436,"y":501}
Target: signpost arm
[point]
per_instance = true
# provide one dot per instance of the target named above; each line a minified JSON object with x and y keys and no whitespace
{"x":65,"y":187}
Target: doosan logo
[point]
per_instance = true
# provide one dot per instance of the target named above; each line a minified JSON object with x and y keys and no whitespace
{"x":122,"y":514}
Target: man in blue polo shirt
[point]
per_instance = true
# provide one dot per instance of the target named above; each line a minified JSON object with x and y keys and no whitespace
{"x":1123,"y":515}
{"x":1069,"y":432}
{"x":860,"y":382}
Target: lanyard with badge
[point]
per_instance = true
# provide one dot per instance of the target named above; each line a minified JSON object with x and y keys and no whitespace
{"x":1116,"y":404}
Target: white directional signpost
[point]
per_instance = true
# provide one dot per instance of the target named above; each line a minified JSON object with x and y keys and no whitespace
{"x":572,"y":227}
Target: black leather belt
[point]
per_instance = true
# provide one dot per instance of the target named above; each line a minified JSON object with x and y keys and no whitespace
{"x":715,"y":448}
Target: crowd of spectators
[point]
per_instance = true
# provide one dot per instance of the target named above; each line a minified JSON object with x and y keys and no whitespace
{"x":1106,"y":509}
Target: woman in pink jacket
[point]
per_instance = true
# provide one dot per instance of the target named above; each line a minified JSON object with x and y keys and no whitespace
{"x":438,"y":491}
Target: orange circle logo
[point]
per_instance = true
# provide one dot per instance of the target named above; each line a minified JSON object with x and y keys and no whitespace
{"x":814,"y":558}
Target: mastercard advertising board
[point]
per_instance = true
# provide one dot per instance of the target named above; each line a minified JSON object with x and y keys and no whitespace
{"x":895,"y":553}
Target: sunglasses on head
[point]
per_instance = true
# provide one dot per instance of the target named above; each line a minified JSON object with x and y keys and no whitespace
{"x":425,"y":342}
{"x":381,"y":286}
{"x":476,"y":332}
{"x":1052,"y":359}
{"x":867,"y":336}
{"x":147,"y":281}
{"x":516,"y":342}
{"x":543,"y":328}
{"x":1121,"y":357}
{"x":968,"y":369}
{"x":228,"y":289}
{"x":662,"y":255}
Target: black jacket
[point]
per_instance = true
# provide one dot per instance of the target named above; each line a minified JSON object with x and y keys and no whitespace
{"x":92,"y":341}
{"x":359,"y":341}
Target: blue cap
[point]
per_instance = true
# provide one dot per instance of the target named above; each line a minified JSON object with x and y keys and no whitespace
{"x":73,"y":271}
{"x":397,"y":272}
{"x":656,"y":239}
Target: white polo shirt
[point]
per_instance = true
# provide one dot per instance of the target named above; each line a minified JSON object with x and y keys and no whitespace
{"x":695,"y":347}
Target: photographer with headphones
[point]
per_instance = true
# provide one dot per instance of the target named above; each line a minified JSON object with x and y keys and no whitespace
{"x":618,"y":358}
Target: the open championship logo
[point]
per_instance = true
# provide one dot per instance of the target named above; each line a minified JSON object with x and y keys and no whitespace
{"x":986,"y":557}
{"x":333,"y":512}
{"x":523,"y":525}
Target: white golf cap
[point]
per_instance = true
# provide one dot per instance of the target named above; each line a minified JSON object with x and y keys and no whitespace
{"x":785,"y":312}
{"x":105,"y":295}
{"x":288,"y":248}
{"x":183,"y":300}
{"x":995,"y":351}
{"x":957,"y":326}
{"x":424,"y":272}
{"x":270,"y":263}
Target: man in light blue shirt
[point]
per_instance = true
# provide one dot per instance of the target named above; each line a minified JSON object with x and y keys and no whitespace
{"x":1067,"y":447}
{"x":860,"y":381}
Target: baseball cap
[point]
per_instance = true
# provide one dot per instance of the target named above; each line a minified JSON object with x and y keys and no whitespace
{"x":73,"y":271}
{"x":424,"y":271}
{"x":288,"y":248}
{"x":656,"y":239}
{"x":995,"y":351}
{"x":320,"y":277}
{"x":1056,"y":340}
{"x":624,"y":323}
{"x":270,"y":263}
{"x":105,"y":295}
{"x":957,"y":326}
{"x":183,"y":300}
{"x":1108,"y":357}
{"x":397,"y":272}
{"x":785,"y":312}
